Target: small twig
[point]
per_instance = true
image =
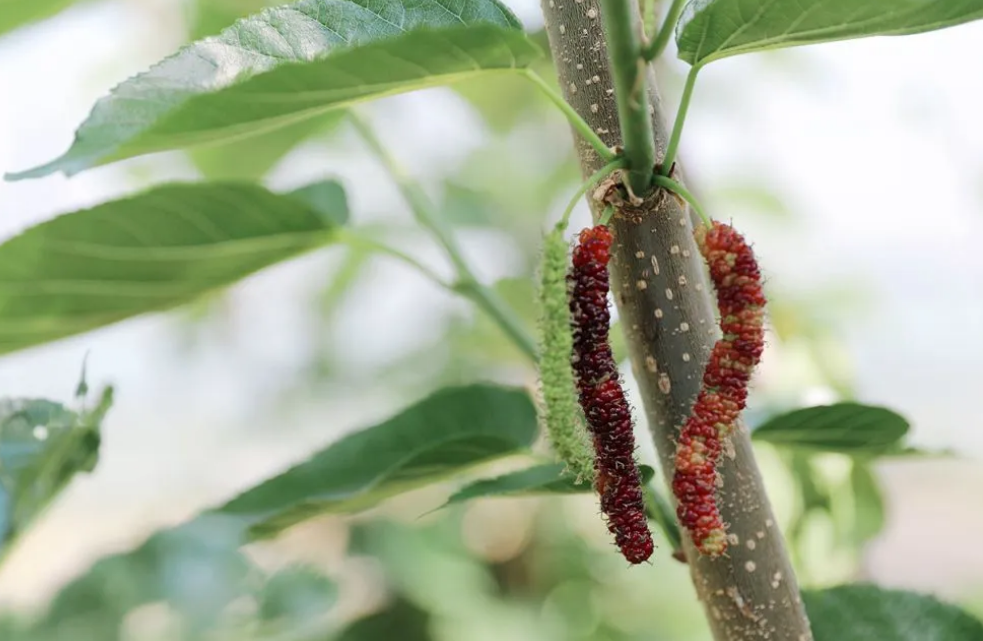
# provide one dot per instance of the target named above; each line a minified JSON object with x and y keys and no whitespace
{"x":426,"y":214}
{"x":685,"y":194}
{"x":578,"y":123}
{"x":662,"y":38}
{"x":677,"y":126}
{"x":360,"y":241}
{"x":595,"y":178}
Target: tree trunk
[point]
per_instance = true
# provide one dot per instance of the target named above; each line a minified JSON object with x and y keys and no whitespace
{"x":666,"y":308}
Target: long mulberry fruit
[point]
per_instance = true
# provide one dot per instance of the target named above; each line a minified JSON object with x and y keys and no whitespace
{"x":616,"y":476}
{"x":740,"y":299}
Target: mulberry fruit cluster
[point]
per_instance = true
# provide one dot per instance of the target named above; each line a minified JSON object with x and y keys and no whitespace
{"x":616,"y":476}
{"x":723,"y":395}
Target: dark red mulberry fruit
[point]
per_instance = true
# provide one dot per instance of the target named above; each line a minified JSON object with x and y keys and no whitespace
{"x":616,"y":476}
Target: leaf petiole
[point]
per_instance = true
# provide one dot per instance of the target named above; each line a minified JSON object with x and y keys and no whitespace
{"x":356,"y":240}
{"x":426,"y":214}
{"x":677,"y":126}
{"x":677,"y":188}
{"x":594,"y":179}
{"x":578,"y":123}
{"x":658,"y":44}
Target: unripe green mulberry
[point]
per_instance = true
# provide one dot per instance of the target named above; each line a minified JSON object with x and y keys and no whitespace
{"x":561,"y":412}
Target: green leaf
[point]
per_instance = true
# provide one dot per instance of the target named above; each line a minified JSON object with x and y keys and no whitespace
{"x":541,"y":479}
{"x":868,"y":503}
{"x":43,"y":445}
{"x":289,"y":64}
{"x":17,"y":13}
{"x":446,"y":433}
{"x":846,"y":428}
{"x":713,"y":29}
{"x":148,"y":252}
{"x":866,"y":612}
{"x":327,"y":198}
{"x":402,"y":620}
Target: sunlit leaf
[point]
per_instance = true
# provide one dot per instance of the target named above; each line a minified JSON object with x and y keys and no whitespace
{"x":288,"y":64}
{"x":712,"y":29}
{"x":866,"y":612}
{"x":847,"y":428}
{"x":446,"y":433}
{"x":149,"y":252}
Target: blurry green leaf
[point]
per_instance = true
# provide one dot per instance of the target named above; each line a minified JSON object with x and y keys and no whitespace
{"x":755,"y":198}
{"x":17,"y":13}
{"x":292,"y":63}
{"x":465,"y":206}
{"x":402,"y":620}
{"x":866,"y":612}
{"x":195,"y":567}
{"x":506,"y":102}
{"x":327,"y":198}
{"x":252,"y":158}
{"x":541,"y":479}
{"x":208,"y":17}
{"x":481,"y":339}
{"x":446,"y":433}
{"x":712,"y":29}
{"x":43,"y":445}
{"x":813,"y":491}
{"x":846,"y":428}
{"x":619,"y":344}
{"x":868,"y":503}
{"x":148,"y":252}
{"x":815,"y":503}
{"x":297,"y":596}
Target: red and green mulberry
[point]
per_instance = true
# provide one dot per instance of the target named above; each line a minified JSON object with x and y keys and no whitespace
{"x":723,"y":395}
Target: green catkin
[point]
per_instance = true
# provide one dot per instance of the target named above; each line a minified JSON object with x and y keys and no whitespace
{"x":560,"y":410}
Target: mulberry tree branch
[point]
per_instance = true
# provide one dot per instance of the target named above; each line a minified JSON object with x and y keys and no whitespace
{"x":666,"y":309}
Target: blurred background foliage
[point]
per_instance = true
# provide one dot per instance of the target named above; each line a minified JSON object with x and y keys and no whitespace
{"x":516,"y":568}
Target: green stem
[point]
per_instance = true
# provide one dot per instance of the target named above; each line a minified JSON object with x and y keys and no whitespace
{"x":425,"y":213}
{"x":662,"y":38}
{"x":360,"y":241}
{"x":628,"y":69}
{"x":578,"y":123}
{"x":677,"y":126}
{"x":605,"y":216}
{"x":677,"y":188}
{"x":595,"y":178}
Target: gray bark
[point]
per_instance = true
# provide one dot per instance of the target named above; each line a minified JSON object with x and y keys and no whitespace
{"x":666,"y":308}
